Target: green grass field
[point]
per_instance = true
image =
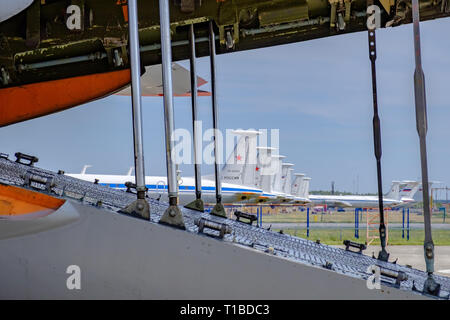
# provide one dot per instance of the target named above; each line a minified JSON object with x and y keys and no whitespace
{"x":347,"y":217}
{"x":337,"y":236}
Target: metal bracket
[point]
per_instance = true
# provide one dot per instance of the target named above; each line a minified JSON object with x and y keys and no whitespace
{"x":173,"y":216}
{"x":4,"y":156}
{"x":22,"y":156}
{"x":341,"y":22}
{"x":203,"y":223}
{"x":399,"y":276}
{"x":130,"y":186}
{"x":356,"y":245}
{"x":47,"y":182}
{"x":219,"y":210}
{"x":196,"y":205}
{"x":187,"y":6}
{"x":229,"y":35}
{"x":250,"y":216}
{"x":4,"y":76}
{"x":117,"y":59}
{"x":138,"y":208}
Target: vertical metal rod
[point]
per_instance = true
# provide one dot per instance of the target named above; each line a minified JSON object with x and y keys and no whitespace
{"x":446,"y":201}
{"x":407,"y":225}
{"x":173,"y":215}
{"x":218,"y":209}
{"x":140,"y":207}
{"x":430,"y":285}
{"x":260,"y":216}
{"x":166,"y":55}
{"x":257,"y":216}
{"x":445,"y":210}
{"x":357,"y":210}
{"x":382,"y":255}
{"x":212,"y":46}
{"x":198,"y":180}
{"x":307,"y":222}
{"x":136,"y":95}
{"x":197,"y":204}
{"x":357,"y":227}
{"x":403,"y":223}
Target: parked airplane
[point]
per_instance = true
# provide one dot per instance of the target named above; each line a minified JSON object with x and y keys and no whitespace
{"x":286,"y":180}
{"x":391,"y":199}
{"x":407,"y":191}
{"x":277,"y":187}
{"x":242,"y":180}
{"x":265,"y":174}
{"x":300,"y":189}
{"x":157,"y":187}
{"x":288,"y":185}
{"x":254,"y":166}
{"x":243,"y":166}
{"x":238,"y":174}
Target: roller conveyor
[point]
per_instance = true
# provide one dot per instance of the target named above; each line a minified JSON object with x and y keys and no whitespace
{"x":242,"y":234}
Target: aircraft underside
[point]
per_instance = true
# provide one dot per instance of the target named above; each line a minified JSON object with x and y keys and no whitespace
{"x":54,"y":45}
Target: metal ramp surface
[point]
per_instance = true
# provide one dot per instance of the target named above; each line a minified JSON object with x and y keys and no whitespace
{"x":283,"y":246}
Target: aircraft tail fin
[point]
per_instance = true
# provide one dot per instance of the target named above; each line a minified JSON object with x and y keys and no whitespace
{"x":277,"y":163}
{"x":287,"y":177}
{"x":297,"y":184}
{"x":83,"y":171}
{"x":264,"y":170}
{"x":394,"y":193}
{"x":304,"y":189}
{"x":240,"y":167}
{"x":410,"y":189}
{"x":130,"y":171}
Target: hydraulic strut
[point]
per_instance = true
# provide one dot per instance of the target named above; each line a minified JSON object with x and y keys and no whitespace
{"x":140,"y":207}
{"x":172,"y":216}
{"x":383,"y":254}
{"x":430,"y":285}
{"x":218,"y":209}
{"x":197,"y":204}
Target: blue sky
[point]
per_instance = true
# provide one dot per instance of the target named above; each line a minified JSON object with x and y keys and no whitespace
{"x":318,"y":93}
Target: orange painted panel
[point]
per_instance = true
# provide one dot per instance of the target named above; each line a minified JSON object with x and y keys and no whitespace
{"x":16,"y":201}
{"x":38,"y":99}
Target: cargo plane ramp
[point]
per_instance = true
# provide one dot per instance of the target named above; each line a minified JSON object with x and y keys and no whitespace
{"x":135,"y":258}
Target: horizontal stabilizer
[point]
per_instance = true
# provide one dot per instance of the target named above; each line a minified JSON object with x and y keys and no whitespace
{"x":152,"y":86}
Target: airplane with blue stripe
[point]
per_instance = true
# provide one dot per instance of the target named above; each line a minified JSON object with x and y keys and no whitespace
{"x":157,"y":188}
{"x":392,"y":199}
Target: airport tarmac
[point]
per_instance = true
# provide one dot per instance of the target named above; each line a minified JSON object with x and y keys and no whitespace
{"x":413,"y":256}
{"x":407,"y":255}
{"x":328,"y":225}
